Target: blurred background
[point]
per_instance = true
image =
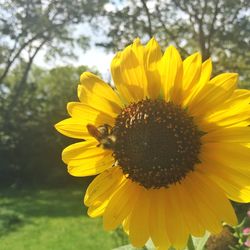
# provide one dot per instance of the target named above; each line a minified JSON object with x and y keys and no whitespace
{"x":44,"y":47}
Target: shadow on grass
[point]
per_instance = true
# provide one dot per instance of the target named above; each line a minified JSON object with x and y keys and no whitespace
{"x":49,"y":203}
{"x":19,"y":207}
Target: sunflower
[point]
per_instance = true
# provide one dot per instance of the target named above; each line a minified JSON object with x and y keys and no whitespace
{"x":169,"y":145}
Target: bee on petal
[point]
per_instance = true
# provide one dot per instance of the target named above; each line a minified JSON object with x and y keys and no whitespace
{"x":103,"y":134}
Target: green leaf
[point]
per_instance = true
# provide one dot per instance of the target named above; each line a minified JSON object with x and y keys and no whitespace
{"x":150,"y":245}
{"x":199,"y":242}
{"x":125,"y":247}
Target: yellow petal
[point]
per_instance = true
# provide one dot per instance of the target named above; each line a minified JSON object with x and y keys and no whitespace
{"x":80,"y":150}
{"x":104,"y":184}
{"x":120,"y":205}
{"x":157,"y":219}
{"x":127,"y":92}
{"x":239,"y":99}
{"x":201,"y":198}
{"x":231,"y":134}
{"x":72,"y":127}
{"x":153,"y":53}
{"x":231,"y":118}
{"x":138,"y":50}
{"x":85,"y":158}
{"x":219,"y":89}
{"x":171,"y":74}
{"x":125,"y":225}
{"x":233,"y":112}
{"x":88,"y":167}
{"x":98,"y":208}
{"x":233,"y":155}
{"x":88,"y":114}
{"x":189,"y":211}
{"x":233,"y":160}
{"x":129,"y":74}
{"x":206,"y":70}
{"x":153,"y":56}
{"x":235,"y":183}
{"x":138,"y":224}
{"x":99,"y":95}
{"x":176,"y":227}
{"x":191,"y":72}
{"x":95,"y":85}
{"x":101,"y":190}
{"x":217,"y":197}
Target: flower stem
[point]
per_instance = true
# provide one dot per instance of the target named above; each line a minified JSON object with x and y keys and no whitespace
{"x":190,"y":244}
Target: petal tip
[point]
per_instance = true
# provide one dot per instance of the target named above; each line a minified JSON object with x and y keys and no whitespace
{"x":56,"y":126}
{"x":69,"y":107}
{"x":208,"y":61}
{"x":197,"y":56}
{"x":152,"y":41}
{"x":137,"y":41}
{"x":171,"y":47}
{"x":85,"y":75}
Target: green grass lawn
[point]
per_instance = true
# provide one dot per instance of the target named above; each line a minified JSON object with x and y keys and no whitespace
{"x":49,"y":220}
{"x":55,"y":219}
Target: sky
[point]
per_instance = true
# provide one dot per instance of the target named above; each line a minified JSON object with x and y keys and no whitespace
{"x":94,"y":57}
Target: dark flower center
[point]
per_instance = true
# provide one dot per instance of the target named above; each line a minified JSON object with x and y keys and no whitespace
{"x":157,"y":143}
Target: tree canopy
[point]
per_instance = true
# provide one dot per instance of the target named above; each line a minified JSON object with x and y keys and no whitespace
{"x":33,"y":99}
{"x":30,"y":147}
{"x":217,"y":28}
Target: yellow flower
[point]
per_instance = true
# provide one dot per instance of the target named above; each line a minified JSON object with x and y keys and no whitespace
{"x":169,"y":145}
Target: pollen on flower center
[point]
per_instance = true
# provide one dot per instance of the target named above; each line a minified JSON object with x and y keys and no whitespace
{"x":157,"y":143}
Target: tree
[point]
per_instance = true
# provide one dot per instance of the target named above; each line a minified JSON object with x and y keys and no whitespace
{"x":28,"y":26}
{"x":33,"y":99}
{"x":218,"y":28}
{"x":30,"y":147}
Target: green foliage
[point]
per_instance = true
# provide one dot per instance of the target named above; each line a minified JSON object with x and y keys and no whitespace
{"x":120,"y":237}
{"x":30,"y":146}
{"x":218,"y":28}
{"x":50,"y":219}
{"x":9,"y":221}
{"x":27,"y":27}
{"x":26,"y":24}
{"x":239,"y":235}
{"x":32,"y":100}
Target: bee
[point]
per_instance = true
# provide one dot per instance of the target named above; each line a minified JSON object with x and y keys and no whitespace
{"x":103,"y":134}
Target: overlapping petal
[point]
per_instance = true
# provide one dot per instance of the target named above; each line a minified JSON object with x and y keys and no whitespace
{"x":216,"y":92}
{"x":206,"y":70}
{"x":82,"y":114}
{"x":129,"y":74}
{"x":174,"y":219}
{"x":158,"y":219}
{"x":101,"y":189}
{"x":107,"y":180}
{"x":212,"y":205}
{"x":152,"y":59}
{"x":121,"y":204}
{"x":99,"y":95}
{"x":191,"y":72}
{"x":85,"y":158}
{"x":234,"y":112}
{"x":229,"y":168}
{"x":234,"y":182}
{"x":171,"y":75}
{"x":198,"y":202}
{"x":189,"y":210}
{"x":135,"y":71}
{"x":228,"y":134}
{"x":75,"y":128}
